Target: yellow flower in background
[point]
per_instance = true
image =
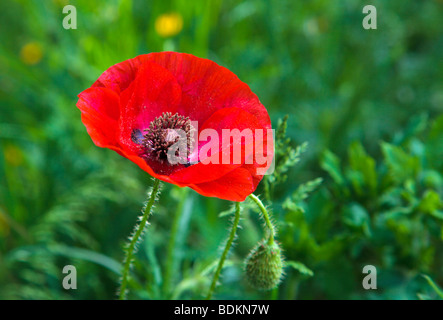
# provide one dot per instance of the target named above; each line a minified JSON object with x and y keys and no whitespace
{"x":168,"y":24}
{"x":4,"y":225}
{"x":13,"y":155}
{"x":31,"y":53}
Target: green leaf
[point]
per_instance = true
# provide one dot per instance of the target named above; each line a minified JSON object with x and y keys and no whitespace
{"x":285,"y":156}
{"x":416,"y":125}
{"x":422,"y":296}
{"x":300,"y":267}
{"x":67,"y":251}
{"x":434,"y":286}
{"x":331,"y":163}
{"x":431,"y":203}
{"x":360,"y":162}
{"x":401,"y":165}
{"x":356,"y":216}
{"x":303,"y":190}
{"x":227,"y":212}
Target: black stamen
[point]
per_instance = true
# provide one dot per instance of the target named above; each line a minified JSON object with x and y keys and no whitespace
{"x":161,"y":135}
{"x":136,"y":136}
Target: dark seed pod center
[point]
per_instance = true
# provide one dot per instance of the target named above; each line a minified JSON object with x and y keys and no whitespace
{"x":165,"y":131}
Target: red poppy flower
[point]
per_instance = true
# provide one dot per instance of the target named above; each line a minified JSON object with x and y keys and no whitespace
{"x":134,"y":105}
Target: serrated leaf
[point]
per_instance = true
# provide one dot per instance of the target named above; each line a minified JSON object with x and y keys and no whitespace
{"x":304,"y":189}
{"x":289,"y":204}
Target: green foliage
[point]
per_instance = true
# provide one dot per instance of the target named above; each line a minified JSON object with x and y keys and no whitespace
{"x":386,"y":213}
{"x":368,"y":190}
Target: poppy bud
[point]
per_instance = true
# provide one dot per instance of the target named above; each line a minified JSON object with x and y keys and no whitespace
{"x":264,"y":266}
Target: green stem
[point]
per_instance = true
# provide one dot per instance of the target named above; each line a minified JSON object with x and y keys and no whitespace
{"x":171,"y":253}
{"x":226,"y":250}
{"x":265,"y":217}
{"x":130,"y":249}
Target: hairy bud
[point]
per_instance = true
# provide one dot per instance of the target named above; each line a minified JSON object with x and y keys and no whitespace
{"x":264,"y":266}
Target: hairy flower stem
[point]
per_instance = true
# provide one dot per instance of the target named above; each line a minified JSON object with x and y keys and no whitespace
{"x":226,"y":250}
{"x":131,"y":248}
{"x":265,"y":214}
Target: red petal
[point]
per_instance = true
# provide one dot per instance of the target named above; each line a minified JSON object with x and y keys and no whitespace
{"x":228,"y":118}
{"x":208,"y":87}
{"x":234,"y":186}
{"x":153,"y":92}
{"x":100,"y":113}
{"x":119,"y":76}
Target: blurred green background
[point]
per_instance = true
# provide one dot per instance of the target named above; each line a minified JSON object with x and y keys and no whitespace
{"x":368,"y":102}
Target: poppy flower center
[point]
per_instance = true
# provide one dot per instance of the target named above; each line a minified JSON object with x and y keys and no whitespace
{"x":166,"y":131}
